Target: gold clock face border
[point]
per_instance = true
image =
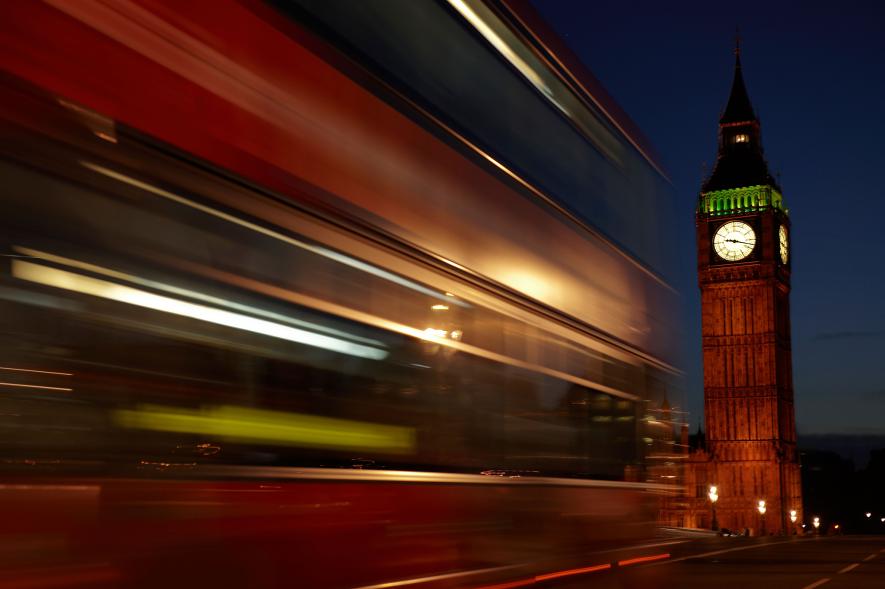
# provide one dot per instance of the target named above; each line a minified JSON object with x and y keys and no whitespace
{"x":783,"y":244}
{"x":738,"y":252}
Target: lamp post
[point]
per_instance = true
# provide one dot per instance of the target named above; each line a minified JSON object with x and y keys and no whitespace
{"x":713,"y":494}
{"x":793,"y":519}
{"x":762,"y":509}
{"x":816,"y":523}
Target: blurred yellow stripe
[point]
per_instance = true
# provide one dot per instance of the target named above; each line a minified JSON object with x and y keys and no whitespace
{"x":274,"y":427}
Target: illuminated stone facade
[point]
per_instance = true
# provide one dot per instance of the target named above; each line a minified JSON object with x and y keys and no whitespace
{"x":750,"y":447}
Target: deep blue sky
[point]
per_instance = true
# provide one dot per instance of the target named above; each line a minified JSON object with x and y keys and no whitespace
{"x":816,"y":75}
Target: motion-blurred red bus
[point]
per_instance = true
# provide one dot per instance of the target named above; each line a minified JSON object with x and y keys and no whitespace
{"x":323,"y":294}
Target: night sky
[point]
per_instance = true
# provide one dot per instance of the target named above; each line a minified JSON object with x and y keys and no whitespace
{"x":816,"y":76}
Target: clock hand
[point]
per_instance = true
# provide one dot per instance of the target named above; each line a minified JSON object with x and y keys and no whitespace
{"x":738,"y":241}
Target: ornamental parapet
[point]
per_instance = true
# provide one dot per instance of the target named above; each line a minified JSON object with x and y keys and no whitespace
{"x":749,"y":199}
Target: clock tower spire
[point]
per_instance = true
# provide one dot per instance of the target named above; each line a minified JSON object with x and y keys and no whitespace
{"x":744,"y":265}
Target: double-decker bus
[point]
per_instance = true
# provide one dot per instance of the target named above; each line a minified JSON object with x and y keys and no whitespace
{"x":323,"y":294}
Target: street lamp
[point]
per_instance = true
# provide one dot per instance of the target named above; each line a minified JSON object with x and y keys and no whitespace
{"x":868,"y":514}
{"x":816,"y":522}
{"x":762,"y":509}
{"x":793,"y":520}
{"x":713,"y":494}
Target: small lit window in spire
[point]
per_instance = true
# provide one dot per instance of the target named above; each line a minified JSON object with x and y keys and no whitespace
{"x":742,"y":138}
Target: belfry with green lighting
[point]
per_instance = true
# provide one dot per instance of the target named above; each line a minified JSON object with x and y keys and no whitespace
{"x":740,"y":181}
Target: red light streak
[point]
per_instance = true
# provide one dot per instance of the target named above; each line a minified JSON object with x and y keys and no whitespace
{"x":637,"y":560}
{"x":569,"y":572}
{"x":549,"y":576}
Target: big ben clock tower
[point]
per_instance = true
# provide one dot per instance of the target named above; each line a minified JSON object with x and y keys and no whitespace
{"x":744,"y":260}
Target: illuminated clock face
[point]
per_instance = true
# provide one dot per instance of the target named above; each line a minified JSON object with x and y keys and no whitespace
{"x":784,"y":245}
{"x":734,"y":241}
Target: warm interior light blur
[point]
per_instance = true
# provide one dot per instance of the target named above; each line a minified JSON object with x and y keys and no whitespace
{"x":440,"y":307}
{"x":868,"y":514}
{"x":527,"y":282}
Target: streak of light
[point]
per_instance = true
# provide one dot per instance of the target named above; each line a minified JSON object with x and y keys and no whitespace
{"x":92,"y":489}
{"x":322,"y":251}
{"x":34,"y":386}
{"x":140,"y":298}
{"x":458,"y":345}
{"x":440,"y":307}
{"x":361,"y":317}
{"x":261,"y":425}
{"x":36,"y":371}
{"x":639,"y":559}
{"x":570,"y":572}
{"x":717,"y":552}
{"x":548,"y":576}
{"x":352,"y":314}
{"x":536,"y":72}
{"x":500,"y":45}
{"x":411,"y":476}
{"x":191,"y":294}
{"x":422,"y":580}
{"x":576,"y":79}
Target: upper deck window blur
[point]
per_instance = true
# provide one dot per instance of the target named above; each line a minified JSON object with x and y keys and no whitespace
{"x":742,"y":138}
{"x":464,"y":65}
